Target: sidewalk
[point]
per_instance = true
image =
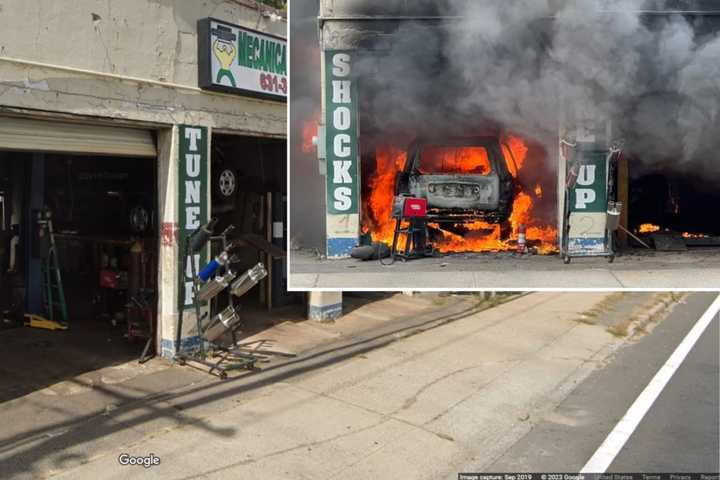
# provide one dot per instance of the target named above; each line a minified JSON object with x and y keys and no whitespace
{"x":687,"y":270}
{"x":387,"y":406}
{"x":80,"y":411}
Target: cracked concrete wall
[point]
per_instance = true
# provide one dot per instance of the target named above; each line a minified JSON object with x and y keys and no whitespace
{"x":149,"y":40}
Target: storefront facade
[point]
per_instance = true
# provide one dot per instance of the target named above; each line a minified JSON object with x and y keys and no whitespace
{"x":136,"y":80}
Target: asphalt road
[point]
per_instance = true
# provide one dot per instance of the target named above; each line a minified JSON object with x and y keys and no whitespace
{"x":680,"y":431}
{"x":678,"y":434}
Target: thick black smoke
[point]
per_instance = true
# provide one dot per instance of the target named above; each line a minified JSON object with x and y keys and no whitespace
{"x":307,"y":188}
{"x":518,"y":63}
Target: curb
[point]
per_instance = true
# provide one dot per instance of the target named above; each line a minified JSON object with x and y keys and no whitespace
{"x":659,"y":310}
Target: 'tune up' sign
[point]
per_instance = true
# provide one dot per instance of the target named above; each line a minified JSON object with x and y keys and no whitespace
{"x":236,"y":59}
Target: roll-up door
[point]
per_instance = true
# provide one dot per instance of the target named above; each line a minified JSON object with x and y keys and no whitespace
{"x":58,"y":137}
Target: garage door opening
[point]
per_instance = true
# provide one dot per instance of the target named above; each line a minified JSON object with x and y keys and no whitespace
{"x":484,"y":182}
{"x":249,"y":192}
{"x":102,"y":204}
{"x":670,"y":210}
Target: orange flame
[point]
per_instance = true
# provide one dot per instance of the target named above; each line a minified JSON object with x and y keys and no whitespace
{"x":648,"y":228}
{"x":378,"y":208}
{"x":471,"y":160}
{"x":479,"y":236}
{"x":309,"y":131}
{"x":515,"y":152}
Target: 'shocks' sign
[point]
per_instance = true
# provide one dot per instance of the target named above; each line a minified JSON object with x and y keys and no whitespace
{"x":341,"y":127}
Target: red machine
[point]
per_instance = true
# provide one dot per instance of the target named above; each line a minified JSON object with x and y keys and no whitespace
{"x":410,"y":215}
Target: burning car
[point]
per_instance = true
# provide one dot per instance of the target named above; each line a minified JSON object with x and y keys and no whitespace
{"x":463,"y":179}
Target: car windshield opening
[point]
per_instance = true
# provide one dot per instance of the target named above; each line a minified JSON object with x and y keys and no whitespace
{"x":438,"y":159}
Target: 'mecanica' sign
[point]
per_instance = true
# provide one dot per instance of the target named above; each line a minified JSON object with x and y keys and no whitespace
{"x":240,"y":60}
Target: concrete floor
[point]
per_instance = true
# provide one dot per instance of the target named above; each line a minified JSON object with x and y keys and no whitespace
{"x":424,"y":397}
{"x":694,"y":269}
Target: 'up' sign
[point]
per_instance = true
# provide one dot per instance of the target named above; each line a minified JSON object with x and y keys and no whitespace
{"x":589,"y":194}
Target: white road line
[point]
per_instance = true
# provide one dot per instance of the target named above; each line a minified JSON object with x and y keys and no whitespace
{"x":615,"y":441}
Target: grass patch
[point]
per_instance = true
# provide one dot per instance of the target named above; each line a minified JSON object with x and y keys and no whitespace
{"x":439,"y":301}
{"x":621,"y":329}
{"x":589,"y":317}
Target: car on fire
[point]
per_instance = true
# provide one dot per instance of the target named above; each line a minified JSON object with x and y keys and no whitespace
{"x":463,"y":179}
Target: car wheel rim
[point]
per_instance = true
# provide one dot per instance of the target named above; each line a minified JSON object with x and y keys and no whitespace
{"x":227,"y":183}
{"x":139,"y":219}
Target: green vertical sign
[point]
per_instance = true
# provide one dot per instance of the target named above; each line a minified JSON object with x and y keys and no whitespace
{"x":193,"y":202}
{"x":589,"y":194}
{"x":341,"y":124}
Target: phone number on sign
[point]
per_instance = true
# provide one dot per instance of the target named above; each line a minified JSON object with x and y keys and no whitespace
{"x":274,"y":84}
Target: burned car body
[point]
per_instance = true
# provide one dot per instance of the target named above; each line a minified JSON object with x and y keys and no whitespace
{"x":463,"y":179}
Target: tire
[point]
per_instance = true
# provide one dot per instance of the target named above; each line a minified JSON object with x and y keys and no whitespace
{"x":226,"y":183}
{"x":139,"y":219}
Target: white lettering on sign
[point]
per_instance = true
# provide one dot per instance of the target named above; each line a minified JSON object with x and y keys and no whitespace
{"x":193,"y":134}
{"x":343,"y":200}
{"x":192,"y":187}
{"x":192,"y":218}
{"x":192,"y":165}
{"x":188,"y":292}
{"x":341,"y":146}
{"x":188,"y":266}
{"x":342,"y":171}
{"x":341,"y":116}
{"x":192,"y":200}
{"x":192,"y":191}
{"x":341,"y":91}
{"x":586,"y":176}
{"x":341,"y":65}
{"x":188,"y":279}
{"x":583,"y":197}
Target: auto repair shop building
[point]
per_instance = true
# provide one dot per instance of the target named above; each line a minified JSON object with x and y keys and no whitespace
{"x":354,"y":35}
{"x":135,"y":122}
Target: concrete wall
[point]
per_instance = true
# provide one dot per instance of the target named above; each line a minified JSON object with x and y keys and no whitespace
{"x":130,"y":59}
{"x":307,"y":186}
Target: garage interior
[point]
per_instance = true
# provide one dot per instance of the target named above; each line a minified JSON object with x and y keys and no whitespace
{"x":104,"y":218}
{"x":102,"y":205}
{"x":249,"y":193}
{"x":667,"y":190}
{"x":671,"y":210}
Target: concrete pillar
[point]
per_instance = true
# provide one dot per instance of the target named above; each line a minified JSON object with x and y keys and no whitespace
{"x":173,"y":215}
{"x":168,"y":251}
{"x":324,"y":306}
{"x":623,"y":195}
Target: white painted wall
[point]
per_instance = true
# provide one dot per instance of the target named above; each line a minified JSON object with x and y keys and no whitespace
{"x":132,"y":59}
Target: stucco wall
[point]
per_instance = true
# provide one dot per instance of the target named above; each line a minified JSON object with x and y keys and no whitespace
{"x":138,"y":60}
